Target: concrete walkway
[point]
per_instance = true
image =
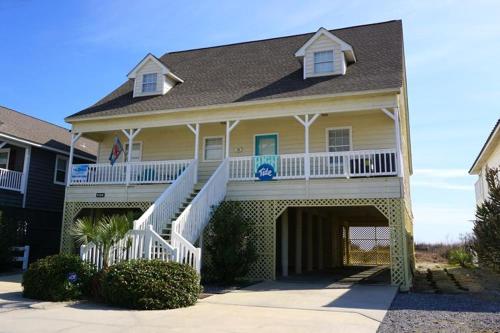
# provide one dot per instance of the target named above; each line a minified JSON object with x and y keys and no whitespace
{"x":266,"y":307}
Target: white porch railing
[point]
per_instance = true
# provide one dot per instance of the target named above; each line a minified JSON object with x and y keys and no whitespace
{"x":10,"y":180}
{"x":363,"y":163}
{"x":147,"y":172}
{"x":137,"y":244}
{"x":168,"y":203}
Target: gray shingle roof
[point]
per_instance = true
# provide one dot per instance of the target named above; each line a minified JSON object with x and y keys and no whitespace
{"x":490,"y":137}
{"x":265,"y":69}
{"x":25,"y":127}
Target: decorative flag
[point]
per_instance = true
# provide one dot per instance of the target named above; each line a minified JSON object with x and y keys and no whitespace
{"x":116,"y":150}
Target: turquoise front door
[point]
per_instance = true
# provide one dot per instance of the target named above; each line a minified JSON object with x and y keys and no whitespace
{"x":266,"y":144}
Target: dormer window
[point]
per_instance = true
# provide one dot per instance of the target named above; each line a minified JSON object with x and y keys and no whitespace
{"x":323,"y":62}
{"x":149,"y":83}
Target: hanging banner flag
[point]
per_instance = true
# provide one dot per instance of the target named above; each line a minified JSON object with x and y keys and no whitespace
{"x":116,"y":150}
{"x":265,"y":167}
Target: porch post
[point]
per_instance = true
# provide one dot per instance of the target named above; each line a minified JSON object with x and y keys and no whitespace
{"x":397,"y":136}
{"x":306,"y":122}
{"x":398,"y":142}
{"x":229,"y":129}
{"x":26,"y":171}
{"x":309,"y":241}
{"x":130,"y":134}
{"x":320,"y":243}
{"x":74,"y":139}
{"x":298,"y":242}
{"x":284,"y":243}
{"x":196,"y":132}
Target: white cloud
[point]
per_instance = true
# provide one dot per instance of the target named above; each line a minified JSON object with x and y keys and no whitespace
{"x":446,"y":179}
{"x":441,"y":173}
{"x":442,"y":185}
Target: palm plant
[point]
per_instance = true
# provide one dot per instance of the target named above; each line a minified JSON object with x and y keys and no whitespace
{"x":105,"y":232}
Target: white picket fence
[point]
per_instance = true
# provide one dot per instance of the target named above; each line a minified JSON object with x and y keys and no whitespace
{"x":144,"y":172}
{"x":10,"y":179}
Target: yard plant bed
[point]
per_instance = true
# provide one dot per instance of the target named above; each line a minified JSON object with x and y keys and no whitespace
{"x":447,"y":298}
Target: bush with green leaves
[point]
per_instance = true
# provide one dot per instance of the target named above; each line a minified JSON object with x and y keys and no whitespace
{"x":228,"y":243}
{"x":459,"y":256}
{"x":487,"y":224}
{"x":150,"y":285}
{"x":57,"y":278}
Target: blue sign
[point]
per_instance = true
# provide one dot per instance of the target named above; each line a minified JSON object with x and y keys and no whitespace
{"x":79,"y":172}
{"x":72,"y":277}
{"x":265,"y":172}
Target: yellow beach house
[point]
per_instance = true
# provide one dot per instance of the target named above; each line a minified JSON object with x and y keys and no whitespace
{"x":310,"y":133}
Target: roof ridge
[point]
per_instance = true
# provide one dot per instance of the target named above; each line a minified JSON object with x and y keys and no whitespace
{"x":274,"y":38}
{"x":33,"y":117}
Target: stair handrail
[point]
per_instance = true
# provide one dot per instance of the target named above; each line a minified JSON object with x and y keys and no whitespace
{"x":167,"y":204}
{"x":193,"y":220}
{"x":137,"y":244}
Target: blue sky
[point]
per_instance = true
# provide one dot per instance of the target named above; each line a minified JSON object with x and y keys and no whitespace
{"x":58,"y":57}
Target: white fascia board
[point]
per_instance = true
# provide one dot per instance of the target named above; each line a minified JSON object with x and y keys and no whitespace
{"x":477,"y":166}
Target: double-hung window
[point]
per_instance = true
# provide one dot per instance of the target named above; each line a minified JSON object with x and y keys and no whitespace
{"x":136,"y":155}
{"x":339,"y":139}
{"x":4,"y":158}
{"x":323,"y":62}
{"x":213,"y":149}
{"x":149,"y":82}
{"x":61,"y":168}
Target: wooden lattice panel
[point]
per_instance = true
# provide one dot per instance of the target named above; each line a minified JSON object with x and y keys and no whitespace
{"x":265,"y":213}
{"x":71,"y":210}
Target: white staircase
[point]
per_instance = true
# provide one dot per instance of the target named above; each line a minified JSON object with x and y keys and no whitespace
{"x":173,"y":223}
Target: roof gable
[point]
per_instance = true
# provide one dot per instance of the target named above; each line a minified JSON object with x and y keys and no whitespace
{"x":345,"y":47}
{"x":163,"y":68}
{"x":486,"y":149}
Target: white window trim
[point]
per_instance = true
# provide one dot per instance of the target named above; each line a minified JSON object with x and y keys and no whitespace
{"x":6,"y":150}
{"x":264,"y":134}
{"x":332,"y":51}
{"x":142,"y":83}
{"x":62,"y":157}
{"x":327,"y":136}
{"x":213,"y":137}
{"x":125,"y":154}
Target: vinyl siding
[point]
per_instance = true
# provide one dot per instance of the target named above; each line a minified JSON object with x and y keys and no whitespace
{"x":162,"y":85}
{"x":370,"y":130}
{"x":115,"y":193}
{"x":324,"y":44}
{"x":315,"y":189}
{"x":10,"y":198}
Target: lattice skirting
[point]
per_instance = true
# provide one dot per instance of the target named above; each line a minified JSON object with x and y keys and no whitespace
{"x":265,"y":213}
{"x":71,"y":210}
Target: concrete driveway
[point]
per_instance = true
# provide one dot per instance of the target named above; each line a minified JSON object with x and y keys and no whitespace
{"x":273,"y":306}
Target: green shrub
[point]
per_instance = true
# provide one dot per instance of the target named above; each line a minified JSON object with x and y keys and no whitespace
{"x":460,"y":257}
{"x":228,"y":244}
{"x":150,"y":285}
{"x":57,"y":278}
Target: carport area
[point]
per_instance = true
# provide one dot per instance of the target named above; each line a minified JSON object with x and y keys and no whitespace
{"x":331,"y":242}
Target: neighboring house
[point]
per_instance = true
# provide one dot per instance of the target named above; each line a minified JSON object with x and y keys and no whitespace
{"x":489,"y":157}
{"x":309,"y":132}
{"x":33,"y":166}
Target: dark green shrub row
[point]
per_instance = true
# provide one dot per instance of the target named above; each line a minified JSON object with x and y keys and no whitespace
{"x":150,"y":285}
{"x":57,"y":278}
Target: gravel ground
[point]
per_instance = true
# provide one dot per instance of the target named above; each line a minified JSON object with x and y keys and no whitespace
{"x":411,"y":312}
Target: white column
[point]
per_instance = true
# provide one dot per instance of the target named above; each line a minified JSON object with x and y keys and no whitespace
{"x":321,"y":264}
{"x":26,"y":171}
{"x":398,"y":143}
{"x":130,"y":134}
{"x":284,"y":243}
{"x":229,"y":129}
{"x":309,"y":241}
{"x":196,"y":132}
{"x":306,"y":122}
{"x":298,"y":242}
{"x":74,"y":139}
